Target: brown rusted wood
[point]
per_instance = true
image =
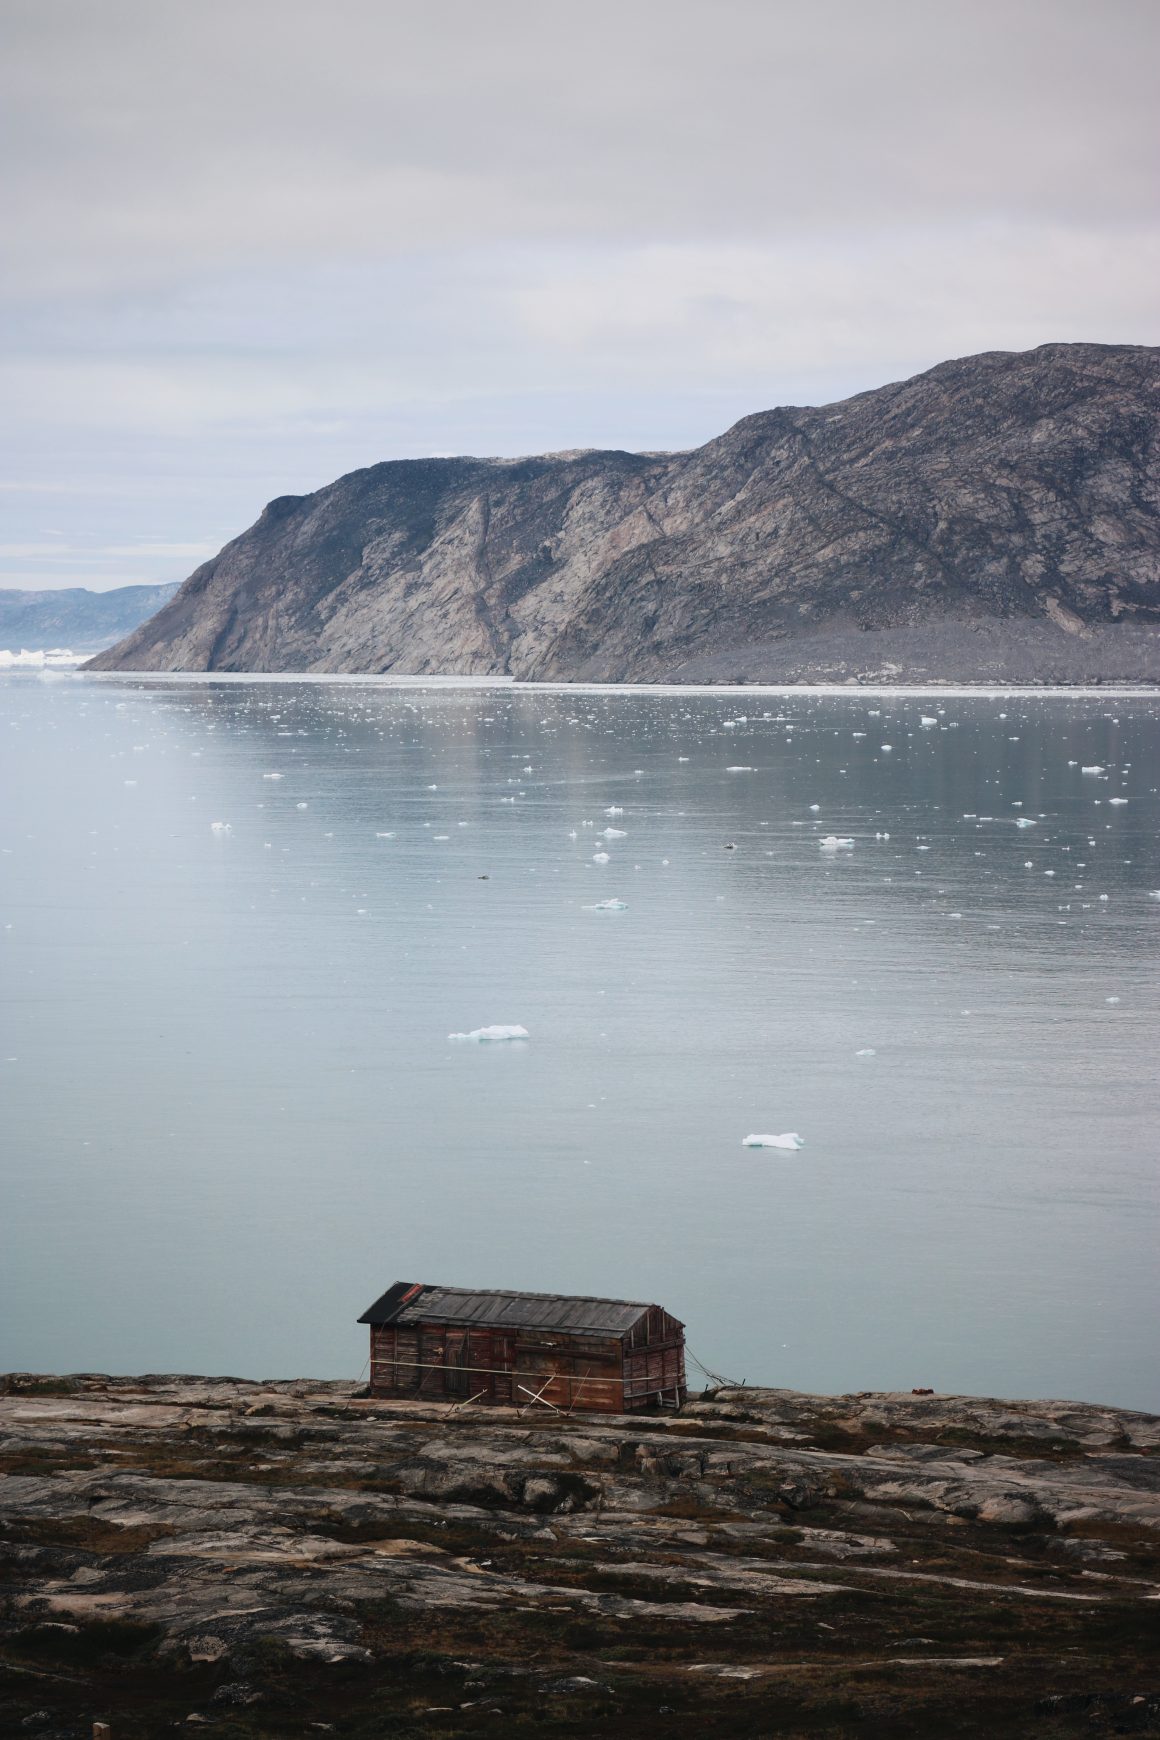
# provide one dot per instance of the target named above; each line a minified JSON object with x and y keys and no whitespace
{"x":571,"y":1371}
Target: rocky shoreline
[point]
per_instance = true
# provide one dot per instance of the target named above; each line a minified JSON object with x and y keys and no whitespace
{"x":294,"y":1558}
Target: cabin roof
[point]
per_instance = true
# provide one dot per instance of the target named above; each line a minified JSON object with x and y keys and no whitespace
{"x":414,"y":1302}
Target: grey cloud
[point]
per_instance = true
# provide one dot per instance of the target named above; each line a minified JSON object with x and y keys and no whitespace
{"x":248,"y":246}
{"x":151,"y":135}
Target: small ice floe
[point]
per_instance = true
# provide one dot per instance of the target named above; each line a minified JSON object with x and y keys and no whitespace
{"x":1092,"y":769}
{"x":300,"y":806}
{"x":814,"y":808}
{"x":616,"y":810}
{"x":886,"y":748}
{"x":1024,"y":822}
{"x":1117,"y":800}
{"x":434,"y":836}
{"x":738,"y":770}
{"x":790,"y":1140}
{"x":866,"y":1051}
{"x":220,"y":828}
{"x":609,"y":906}
{"x":1111,"y":999}
{"x":384,"y":836}
{"x":615,"y":834}
{"x":273,"y":776}
{"x":926,"y":721}
{"x":485,"y":1034}
{"x":600,"y":858}
{"x":835,"y":843}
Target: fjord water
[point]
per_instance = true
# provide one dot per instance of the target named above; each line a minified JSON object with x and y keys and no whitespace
{"x":232,"y":1113}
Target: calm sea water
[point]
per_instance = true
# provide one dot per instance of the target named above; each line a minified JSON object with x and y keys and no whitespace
{"x":232,"y":1114}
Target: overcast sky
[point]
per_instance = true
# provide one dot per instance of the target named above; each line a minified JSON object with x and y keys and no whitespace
{"x":252,"y":244}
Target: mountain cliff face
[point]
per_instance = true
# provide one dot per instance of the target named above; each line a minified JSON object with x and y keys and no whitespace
{"x":998,"y":516}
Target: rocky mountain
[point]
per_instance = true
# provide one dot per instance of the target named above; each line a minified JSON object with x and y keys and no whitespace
{"x":997,"y":517}
{"x":75,"y":617}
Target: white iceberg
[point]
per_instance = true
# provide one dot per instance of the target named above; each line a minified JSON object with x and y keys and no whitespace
{"x":1024,"y":822}
{"x":790,"y":1140}
{"x":834,"y":842}
{"x":927,"y":721}
{"x":480,"y":1034}
{"x":610,"y":906}
{"x":614,"y":810}
{"x":738,"y":770}
{"x":1092,"y":769}
{"x":615,"y":833}
{"x":600,"y":858}
{"x":220,"y":828}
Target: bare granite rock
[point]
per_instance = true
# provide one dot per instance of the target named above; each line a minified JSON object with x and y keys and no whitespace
{"x":174,"y":1546}
{"x":995,"y":519}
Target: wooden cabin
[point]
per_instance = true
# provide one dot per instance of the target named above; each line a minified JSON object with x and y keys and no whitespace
{"x":524,"y":1349}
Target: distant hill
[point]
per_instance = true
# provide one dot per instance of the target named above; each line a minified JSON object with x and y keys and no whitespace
{"x":74,"y":617}
{"x":996,"y":518}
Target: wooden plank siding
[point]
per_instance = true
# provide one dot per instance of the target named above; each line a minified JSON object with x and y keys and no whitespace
{"x":591,"y":1373}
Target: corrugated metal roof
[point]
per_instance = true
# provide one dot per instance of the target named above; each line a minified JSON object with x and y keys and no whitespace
{"x":412,"y":1302}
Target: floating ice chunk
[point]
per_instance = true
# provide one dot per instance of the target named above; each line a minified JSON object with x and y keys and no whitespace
{"x":1111,"y":999}
{"x":616,"y":810}
{"x":1028,"y":864}
{"x":866,"y":1051}
{"x":738,"y":770}
{"x":834,"y":843}
{"x":1093,"y":769}
{"x":790,"y":1140}
{"x":220,"y":828}
{"x":482,"y":1034}
{"x":273,"y":776}
{"x":610,"y":906}
{"x":1024,"y":822}
{"x":1117,"y":800}
{"x":299,"y":806}
{"x":926,"y":721}
{"x":615,"y":834}
{"x":434,"y":836}
{"x":814,"y":808}
{"x":886,"y":748}
{"x":600,"y":858}
{"x":387,"y":836}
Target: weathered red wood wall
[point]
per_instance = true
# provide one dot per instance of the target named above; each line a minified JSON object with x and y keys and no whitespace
{"x":591,"y":1373}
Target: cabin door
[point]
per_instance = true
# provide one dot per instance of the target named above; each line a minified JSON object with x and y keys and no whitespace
{"x":458,"y":1360}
